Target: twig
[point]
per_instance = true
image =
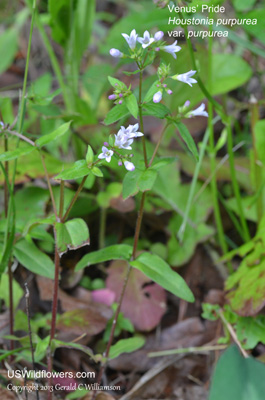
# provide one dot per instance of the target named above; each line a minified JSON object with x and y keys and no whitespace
{"x":233,"y":334}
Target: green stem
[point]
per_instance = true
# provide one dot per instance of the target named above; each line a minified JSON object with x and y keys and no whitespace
{"x":102,"y":227}
{"x":61,"y":200}
{"x":74,"y":198}
{"x":235,"y":185}
{"x":257,"y":167}
{"x":141,"y":117}
{"x":55,"y":64}
{"x":158,"y":144}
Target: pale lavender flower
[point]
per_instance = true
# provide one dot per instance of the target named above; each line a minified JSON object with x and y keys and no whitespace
{"x":106,"y":153}
{"x":122,"y":140}
{"x":158,"y":36}
{"x":132,"y":131}
{"x":115,"y":53}
{"x":129,"y":165}
{"x":157,"y":97}
{"x":200,"y":111}
{"x":186,"y":78}
{"x":172,"y":49}
{"x":132,"y":39}
{"x":146,"y":40}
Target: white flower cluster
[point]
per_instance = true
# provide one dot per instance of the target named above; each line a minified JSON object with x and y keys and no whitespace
{"x":123,"y":140}
{"x":146,"y":41}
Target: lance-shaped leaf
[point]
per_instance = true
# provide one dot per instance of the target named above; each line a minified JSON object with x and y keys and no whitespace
{"x":126,"y":346}
{"x":188,"y":139}
{"x":50,"y":137}
{"x":78,"y":170}
{"x":33,"y":259}
{"x":160,"y":272}
{"x":71,"y":235}
{"x":13,"y":154}
{"x":115,"y":252}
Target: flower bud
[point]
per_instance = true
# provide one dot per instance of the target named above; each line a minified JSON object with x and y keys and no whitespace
{"x":129,"y":166}
{"x":120,"y":163}
{"x":112,"y":97}
{"x":158,"y":35}
{"x":106,"y":144}
{"x":115,"y":53}
{"x":187,"y":103}
{"x":120,"y":101}
{"x":157,"y":97}
{"x":120,"y":95}
{"x":169,"y":91}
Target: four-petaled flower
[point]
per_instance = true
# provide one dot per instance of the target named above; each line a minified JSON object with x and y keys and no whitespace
{"x":132,"y":39}
{"x":200,"y":111}
{"x":106,"y":153}
{"x":146,"y":40}
{"x":122,"y":140}
{"x":172,"y":49}
{"x":186,"y":78}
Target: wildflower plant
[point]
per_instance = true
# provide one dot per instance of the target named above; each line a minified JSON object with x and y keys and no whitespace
{"x":143,"y":49}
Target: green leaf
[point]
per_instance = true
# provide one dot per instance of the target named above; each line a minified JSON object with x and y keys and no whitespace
{"x":257,"y":30}
{"x":243,"y":5}
{"x":116,"y":113}
{"x":147,"y":180}
{"x":229,"y":72}
{"x":130,"y":187}
{"x":33,"y":259}
{"x":138,"y":180}
{"x":8,"y":48}
{"x":71,"y":235}
{"x":156,"y":110}
{"x":4,"y":291}
{"x":188,"y":139}
{"x":89,"y":155}
{"x":13,"y":154}
{"x":41,"y":349}
{"x":132,"y":105}
{"x":126,"y":346}
{"x":160,"y":272}
{"x":50,"y":137}
{"x":259,"y":132}
{"x":115,"y":252}
{"x":97,"y":172}
{"x":78,"y":170}
{"x":237,"y":378}
{"x":116,"y":83}
{"x":69,"y":345}
{"x":153,"y":89}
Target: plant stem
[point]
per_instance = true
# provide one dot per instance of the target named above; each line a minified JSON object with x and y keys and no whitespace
{"x":235,"y":185}
{"x":214,"y":188}
{"x":102,"y":227}
{"x":141,"y":117}
{"x":257,"y":167}
{"x":55,"y":65}
{"x":20,"y":136}
{"x":61,"y":200}
{"x":233,"y":334}
{"x":114,"y":324}
{"x":30,"y":334}
{"x":54,"y":312}
{"x":158,"y":144}
{"x":74,"y":198}
{"x":49,"y":184}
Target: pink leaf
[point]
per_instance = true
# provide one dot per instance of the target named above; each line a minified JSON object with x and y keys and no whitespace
{"x":144,"y":302}
{"x":104,"y":296}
